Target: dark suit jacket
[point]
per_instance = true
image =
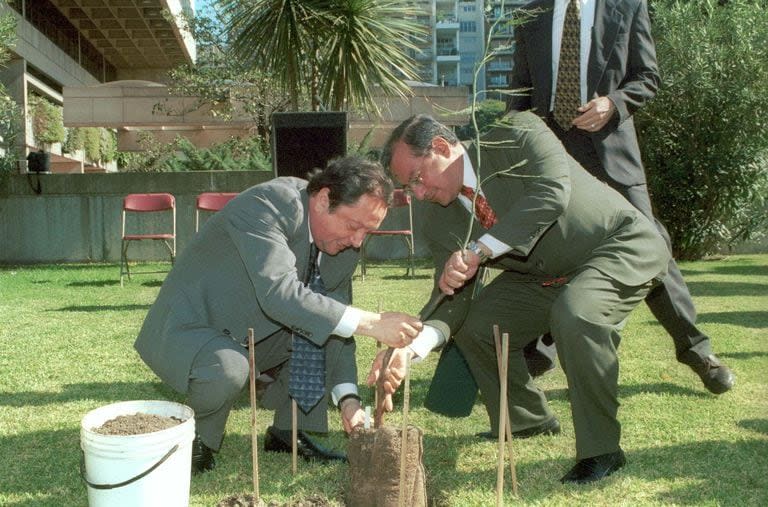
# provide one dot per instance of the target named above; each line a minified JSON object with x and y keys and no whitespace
{"x":622,"y":66}
{"x":557,"y":218}
{"x":244,"y":270}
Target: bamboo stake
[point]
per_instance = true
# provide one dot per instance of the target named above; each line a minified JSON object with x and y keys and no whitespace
{"x":508,"y":426}
{"x":404,"y":436}
{"x":254,"y":443}
{"x":378,"y":349}
{"x":294,"y":436}
{"x":502,"y":420}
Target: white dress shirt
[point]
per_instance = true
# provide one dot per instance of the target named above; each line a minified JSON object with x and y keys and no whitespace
{"x":587,"y":22}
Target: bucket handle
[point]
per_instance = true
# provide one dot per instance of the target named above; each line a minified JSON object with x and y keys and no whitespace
{"x":129,"y":481}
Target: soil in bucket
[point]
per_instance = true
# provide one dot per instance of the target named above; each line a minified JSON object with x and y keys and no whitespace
{"x":137,"y":424}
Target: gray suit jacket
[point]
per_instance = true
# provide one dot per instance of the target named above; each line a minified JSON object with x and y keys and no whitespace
{"x":622,"y":66}
{"x":244,"y":269}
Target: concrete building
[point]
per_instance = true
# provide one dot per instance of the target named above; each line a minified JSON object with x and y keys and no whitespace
{"x":79,"y":43}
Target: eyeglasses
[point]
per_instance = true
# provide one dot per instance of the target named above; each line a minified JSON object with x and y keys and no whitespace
{"x":415,"y":178}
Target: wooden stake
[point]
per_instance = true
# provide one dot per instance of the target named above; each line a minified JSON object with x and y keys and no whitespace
{"x":378,"y":349}
{"x":254,"y":432}
{"x":294,"y":436}
{"x":508,"y":426}
{"x":502,"y":420}
{"x":404,"y":436}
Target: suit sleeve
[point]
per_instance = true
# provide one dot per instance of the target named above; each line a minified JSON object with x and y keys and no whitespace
{"x":266,"y":233}
{"x":640,"y":79}
{"x":543,"y":173}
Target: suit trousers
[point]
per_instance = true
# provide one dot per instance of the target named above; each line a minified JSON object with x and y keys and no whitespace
{"x":219,"y":374}
{"x":670,"y":302}
{"x":584,"y":316}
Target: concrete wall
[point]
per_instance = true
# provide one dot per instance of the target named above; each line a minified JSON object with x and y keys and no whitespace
{"x":76,"y":218}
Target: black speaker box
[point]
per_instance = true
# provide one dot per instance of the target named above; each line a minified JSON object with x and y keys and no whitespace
{"x":303,"y":141}
{"x":38,"y":162}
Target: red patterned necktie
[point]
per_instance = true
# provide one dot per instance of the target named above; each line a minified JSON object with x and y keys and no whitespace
{"x":483,"y":210}
{"x":568,"y":87}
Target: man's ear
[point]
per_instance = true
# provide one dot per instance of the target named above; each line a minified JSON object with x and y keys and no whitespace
{"x":440,"y":146}
{"x":322,"y":202}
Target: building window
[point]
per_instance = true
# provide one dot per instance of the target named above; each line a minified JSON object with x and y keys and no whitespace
{"x":469,"y":8}
{"x":468,"y":26}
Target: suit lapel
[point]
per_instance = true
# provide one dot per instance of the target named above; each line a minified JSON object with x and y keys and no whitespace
{"x":608,"y":20}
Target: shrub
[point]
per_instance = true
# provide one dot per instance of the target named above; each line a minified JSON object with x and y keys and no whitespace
{"x":47,"y":120}
{"x":704,"y":138}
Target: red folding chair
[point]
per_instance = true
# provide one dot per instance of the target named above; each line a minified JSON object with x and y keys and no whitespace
{"x":158,"y":203}
{"x":211,"y":201}
{"x":400,"y":199}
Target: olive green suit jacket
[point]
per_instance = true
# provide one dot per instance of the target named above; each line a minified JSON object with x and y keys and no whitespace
{"x":244,"y":269}
{"x":557,"y":218}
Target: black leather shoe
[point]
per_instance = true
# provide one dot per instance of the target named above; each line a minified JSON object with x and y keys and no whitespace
{"x":202,"y":457}
{"x":550,"y":427}
{"x":280,"y":441}
{"x":595,"y":468}
{"x":715,"y":375}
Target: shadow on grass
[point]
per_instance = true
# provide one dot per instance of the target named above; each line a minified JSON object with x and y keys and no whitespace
{"x":101,"y":308}
{"x":743,"y":355}
{"x":711,"y":475}
{"x":756,"y":320}
{"x":723,"y":289}
{"x":102,"y":391}
{"x":758,"y":425}
{"x":94,"y":283}
{"x":738,"y":270}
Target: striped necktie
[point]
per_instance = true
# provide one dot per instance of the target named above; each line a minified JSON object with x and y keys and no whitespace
{"x":568,"y":89}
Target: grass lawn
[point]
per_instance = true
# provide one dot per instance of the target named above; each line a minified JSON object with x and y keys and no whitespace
{"x":66,"y":347}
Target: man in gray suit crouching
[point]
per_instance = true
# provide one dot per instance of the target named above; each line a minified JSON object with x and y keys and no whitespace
{"x":249,"y":267}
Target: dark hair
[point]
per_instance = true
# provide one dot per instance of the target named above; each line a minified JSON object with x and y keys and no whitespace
{"x":349,"y":178}
{"x":417,"y":133}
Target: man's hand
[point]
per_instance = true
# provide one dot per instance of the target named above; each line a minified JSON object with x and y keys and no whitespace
{"x":595,"y":114}
{"x":393,"y":375}
{"x":352,"y":414}
{"x":393,"y":329}
{"x":460,"y":267}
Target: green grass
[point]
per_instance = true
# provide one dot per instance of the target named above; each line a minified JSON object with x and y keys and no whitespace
{"x":66,"y":336}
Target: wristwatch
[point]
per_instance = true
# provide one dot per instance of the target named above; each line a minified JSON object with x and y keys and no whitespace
{"x":472,"y":246}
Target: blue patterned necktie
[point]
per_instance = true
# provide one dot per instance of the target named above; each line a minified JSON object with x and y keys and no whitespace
{"x":306,"y":384}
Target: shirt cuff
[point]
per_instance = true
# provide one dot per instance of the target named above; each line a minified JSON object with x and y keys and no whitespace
{"x":348,"y":323}
{"x":429,"y":338}
{"x":341,"y":390}
{"x":494,"y":245}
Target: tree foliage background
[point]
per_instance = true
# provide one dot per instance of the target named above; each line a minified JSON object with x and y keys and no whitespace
{"x":10,"y":112}
{"x":704,"y":138}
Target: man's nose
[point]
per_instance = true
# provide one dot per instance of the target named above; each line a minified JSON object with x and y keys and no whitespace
{"x":357,"y":239}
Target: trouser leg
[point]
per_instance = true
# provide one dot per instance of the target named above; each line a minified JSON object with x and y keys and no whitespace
{"x":218,"y":375}
{"x":585,"y":321}
{"x":670,"y":302}
{"x":521,"y":310}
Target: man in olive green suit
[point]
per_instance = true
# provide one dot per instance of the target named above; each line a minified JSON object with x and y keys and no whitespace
{"x":246,"y":269}
{"x":576,"y":259}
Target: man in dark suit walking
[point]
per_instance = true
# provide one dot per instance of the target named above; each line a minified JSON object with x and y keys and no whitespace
{"x":588,"y":65}
{"x":253,"y":266}
{"x":567,"y":267}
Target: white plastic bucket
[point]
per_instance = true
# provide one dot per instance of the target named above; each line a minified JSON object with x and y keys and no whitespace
{"x":151,"y":469}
